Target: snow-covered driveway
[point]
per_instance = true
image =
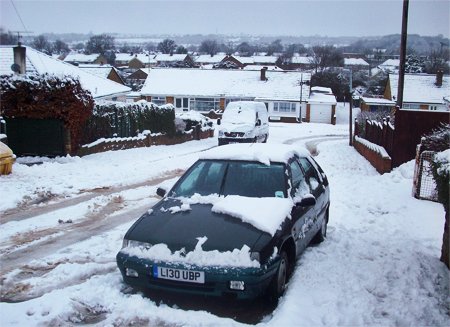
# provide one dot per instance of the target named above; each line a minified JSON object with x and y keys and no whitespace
{"x":378,"y":266}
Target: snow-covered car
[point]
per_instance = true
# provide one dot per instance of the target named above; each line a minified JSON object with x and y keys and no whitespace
{"x":233,"y":224}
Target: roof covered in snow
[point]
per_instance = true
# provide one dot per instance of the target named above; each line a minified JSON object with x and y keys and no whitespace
{"x":225,"y":83}
{"x":170,"y":58}
{"x":355,"y":62}
{"x":390,"y":63}
{"x":318,"y":97}
{"x":142,"y":57}
{"x":380,"y":101}
{"x":265,"y":59}
{"x":302,"y":60}
{"x":421,"y":88}
{"x":208,"y":59}
{"x":40,"y":63}
{"x":81,"y":57}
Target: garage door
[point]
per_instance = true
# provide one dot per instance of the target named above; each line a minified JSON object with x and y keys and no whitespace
{"x":320,"y":113}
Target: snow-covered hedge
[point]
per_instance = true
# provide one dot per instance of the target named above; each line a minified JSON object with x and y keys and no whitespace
{"x":120,"y":119}
{"x":47,"y":97}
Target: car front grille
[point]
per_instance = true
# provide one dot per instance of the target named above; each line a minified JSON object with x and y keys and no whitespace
{"x":234,"y":134}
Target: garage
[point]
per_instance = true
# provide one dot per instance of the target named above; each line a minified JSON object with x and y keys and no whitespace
{"x":320,"y":113}
{"x":321,"y":106}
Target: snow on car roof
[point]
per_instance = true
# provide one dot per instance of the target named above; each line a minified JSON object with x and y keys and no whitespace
{"x":262,"y":152}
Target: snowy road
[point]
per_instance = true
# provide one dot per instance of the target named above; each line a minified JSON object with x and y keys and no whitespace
{"x":378,"y":266}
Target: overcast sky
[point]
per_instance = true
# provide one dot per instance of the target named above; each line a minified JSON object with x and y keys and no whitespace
{"x":295,"y":17}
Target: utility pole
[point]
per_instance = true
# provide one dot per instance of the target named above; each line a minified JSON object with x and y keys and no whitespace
{"x":401,"y":73}
{"x":350,"y":122}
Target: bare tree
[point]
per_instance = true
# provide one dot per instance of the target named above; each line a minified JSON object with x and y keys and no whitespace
{"x":167,"y":46}
{"x":275,"y":46}
{"x":100,"y":44}
{"x":326,"y":56}
{"x":209,"y":47}
{"x":60,"y":47}
{"x":41,"y":43}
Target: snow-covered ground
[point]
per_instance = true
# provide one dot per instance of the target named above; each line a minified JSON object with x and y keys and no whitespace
{"x":62,"y":223}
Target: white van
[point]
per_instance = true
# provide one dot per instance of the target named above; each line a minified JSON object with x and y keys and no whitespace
{"x":244,"y":122}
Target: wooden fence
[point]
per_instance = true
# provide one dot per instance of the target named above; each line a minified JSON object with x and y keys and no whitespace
{"x":381,"y":134}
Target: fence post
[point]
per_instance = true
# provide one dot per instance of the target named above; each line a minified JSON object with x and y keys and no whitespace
{"x":356,"y":127}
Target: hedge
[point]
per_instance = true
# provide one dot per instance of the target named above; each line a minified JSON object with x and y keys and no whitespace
{"x":116,"y":119}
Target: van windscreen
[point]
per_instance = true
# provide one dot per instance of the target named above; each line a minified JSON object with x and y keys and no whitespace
{"x":239,"y":116}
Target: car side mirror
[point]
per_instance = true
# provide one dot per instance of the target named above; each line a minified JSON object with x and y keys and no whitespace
{"x":160,"y":191}
{"x":325,"y":180}
{"x":218,"y":121}
{"x":307,"y":201}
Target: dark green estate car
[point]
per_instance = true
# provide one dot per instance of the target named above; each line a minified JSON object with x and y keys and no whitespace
{"x":233,"y":224}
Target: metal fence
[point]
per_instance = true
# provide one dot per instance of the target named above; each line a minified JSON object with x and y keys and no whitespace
{"x":424,"y":183}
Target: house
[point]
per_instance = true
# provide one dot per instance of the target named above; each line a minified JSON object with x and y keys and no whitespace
{"x":390,"y":66}
{"x":29,"y":60}
{"x":135,"y":61}
{"x":214,"y":88}
{"x":174,"y":60}
{"x":375,"y":104}
{"x":297,"y":62}
{"x":421,"y":91}
{"x":236,"y":62}
{"x":137,"y":79}
{"x":206,"y":60}
{"x":76,"y":59}
{"x":357,"y":64}
{"x":321,"y":106}
{"x":104,"y":71}
{"x":265,"y":60}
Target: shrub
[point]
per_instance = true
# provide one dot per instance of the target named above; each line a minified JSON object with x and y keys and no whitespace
{"x":47,"y":97}
{"x":119,"y":119}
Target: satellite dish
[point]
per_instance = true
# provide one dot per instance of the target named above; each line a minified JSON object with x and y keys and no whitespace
{"x":15,"y":68}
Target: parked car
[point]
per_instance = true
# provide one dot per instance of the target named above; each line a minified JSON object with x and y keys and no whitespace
{"x":233,"y":224}
{"x":244,"y":122}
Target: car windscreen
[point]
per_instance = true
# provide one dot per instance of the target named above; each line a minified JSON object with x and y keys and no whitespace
{"x":243,"y":178}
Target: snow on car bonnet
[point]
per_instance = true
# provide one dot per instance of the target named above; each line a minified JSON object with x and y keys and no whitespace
{"x":261,"y":152}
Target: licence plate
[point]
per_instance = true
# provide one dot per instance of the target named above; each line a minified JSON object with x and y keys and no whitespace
{"x":181,"y":275}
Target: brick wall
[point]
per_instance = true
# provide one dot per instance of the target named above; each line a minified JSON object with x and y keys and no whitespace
{"x":380,"y":163}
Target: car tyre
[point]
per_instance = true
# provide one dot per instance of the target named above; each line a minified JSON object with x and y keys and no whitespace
{"x":265,"y":138}
{"x":322,"y":233}
{"x":279,"y":281}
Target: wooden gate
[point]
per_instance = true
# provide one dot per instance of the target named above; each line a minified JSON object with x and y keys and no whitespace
{"x":36,"y":137}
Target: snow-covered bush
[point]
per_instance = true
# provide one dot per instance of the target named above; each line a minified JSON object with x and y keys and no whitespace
{"x":193,"y":119}
{"x":439,"y":141}
{"x":378,"y":116}
{"x":47,"y":97}
{"x":128,"y":119}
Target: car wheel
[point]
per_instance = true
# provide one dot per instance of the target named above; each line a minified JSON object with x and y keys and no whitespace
{"x":279,"y":281}
{"x":322,"y":233}
{"x":265,"y":138}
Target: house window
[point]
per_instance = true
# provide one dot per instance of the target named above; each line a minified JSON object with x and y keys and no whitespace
{"x":228,"y":100}
{"x":182,"y":104}
{"x":411,"y":106}
{"x":286,"y":107}
{"x":204,"y":104}
{"x":159,"y":100}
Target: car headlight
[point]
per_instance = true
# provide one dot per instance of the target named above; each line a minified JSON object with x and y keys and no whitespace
{"x":248,"y":134}
{"x":135,"y":244}
{"x":221,"y":133}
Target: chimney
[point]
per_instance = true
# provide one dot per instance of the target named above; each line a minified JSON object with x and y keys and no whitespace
{"x":263,"y":74}
{"x":19,"y":65}
{"x":439,"y":77}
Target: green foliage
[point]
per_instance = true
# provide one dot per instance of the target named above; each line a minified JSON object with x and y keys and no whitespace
{"x":439,"y":141}
{"x":112,"y":119}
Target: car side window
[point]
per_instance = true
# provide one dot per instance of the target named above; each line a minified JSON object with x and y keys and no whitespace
{"x":310,"y":173}
{"x":299,"y":185}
